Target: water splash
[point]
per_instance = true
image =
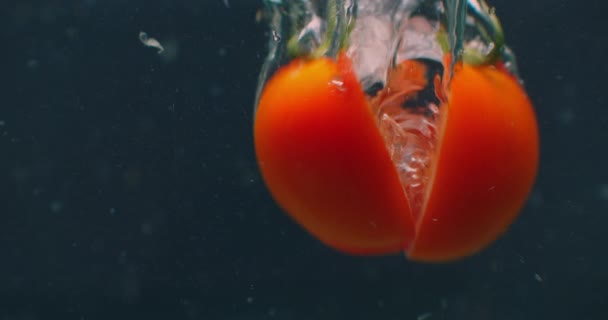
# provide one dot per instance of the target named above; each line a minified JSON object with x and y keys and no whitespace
{"x":399,"y":50}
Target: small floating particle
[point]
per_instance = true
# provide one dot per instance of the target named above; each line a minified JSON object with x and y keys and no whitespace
{"x":603,"y":191}
{"x":56,"y":206}
{"x":150,"y":42}
{"x":424,"y":316}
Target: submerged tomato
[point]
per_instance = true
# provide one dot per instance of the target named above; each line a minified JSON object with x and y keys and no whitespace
{"x":325,"y":162}
{"x":485,"y":167}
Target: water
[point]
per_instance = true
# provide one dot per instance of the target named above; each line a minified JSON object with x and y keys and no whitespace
{"x":408,"y":112}
{"x":405,"y":63}
{"x":130,"y":189}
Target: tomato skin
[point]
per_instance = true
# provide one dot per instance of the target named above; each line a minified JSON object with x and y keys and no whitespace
{"x":324,"y":161}
{"x":486,"y":166}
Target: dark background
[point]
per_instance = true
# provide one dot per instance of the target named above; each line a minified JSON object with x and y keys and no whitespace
{"x":129,"y":189}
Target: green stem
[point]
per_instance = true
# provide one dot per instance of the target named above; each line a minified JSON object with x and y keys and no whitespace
{"x":498,"y":39}
{"x":496,"y":34}
{"x":332,"y":22}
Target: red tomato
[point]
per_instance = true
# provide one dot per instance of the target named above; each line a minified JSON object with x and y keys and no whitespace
{"x":485,"y":168}
{"x":326,"y":164}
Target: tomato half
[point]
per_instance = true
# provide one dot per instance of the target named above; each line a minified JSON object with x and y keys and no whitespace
{"x":326,"y":164}
{"x":485,"y":167}
{"x":324,"y":161}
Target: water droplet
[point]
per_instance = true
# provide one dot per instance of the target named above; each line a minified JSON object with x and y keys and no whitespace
{"x":339,"y":84}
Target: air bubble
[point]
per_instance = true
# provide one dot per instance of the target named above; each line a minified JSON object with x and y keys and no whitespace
{"x":275,"y":36}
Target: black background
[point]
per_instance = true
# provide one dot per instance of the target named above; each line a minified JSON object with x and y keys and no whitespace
{"x":129,"y":189}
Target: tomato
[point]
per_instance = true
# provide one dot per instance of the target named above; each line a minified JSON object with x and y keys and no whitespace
{"x":326,"y":164}
{"x":485,"y":168}
{"x":324,"y":161}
